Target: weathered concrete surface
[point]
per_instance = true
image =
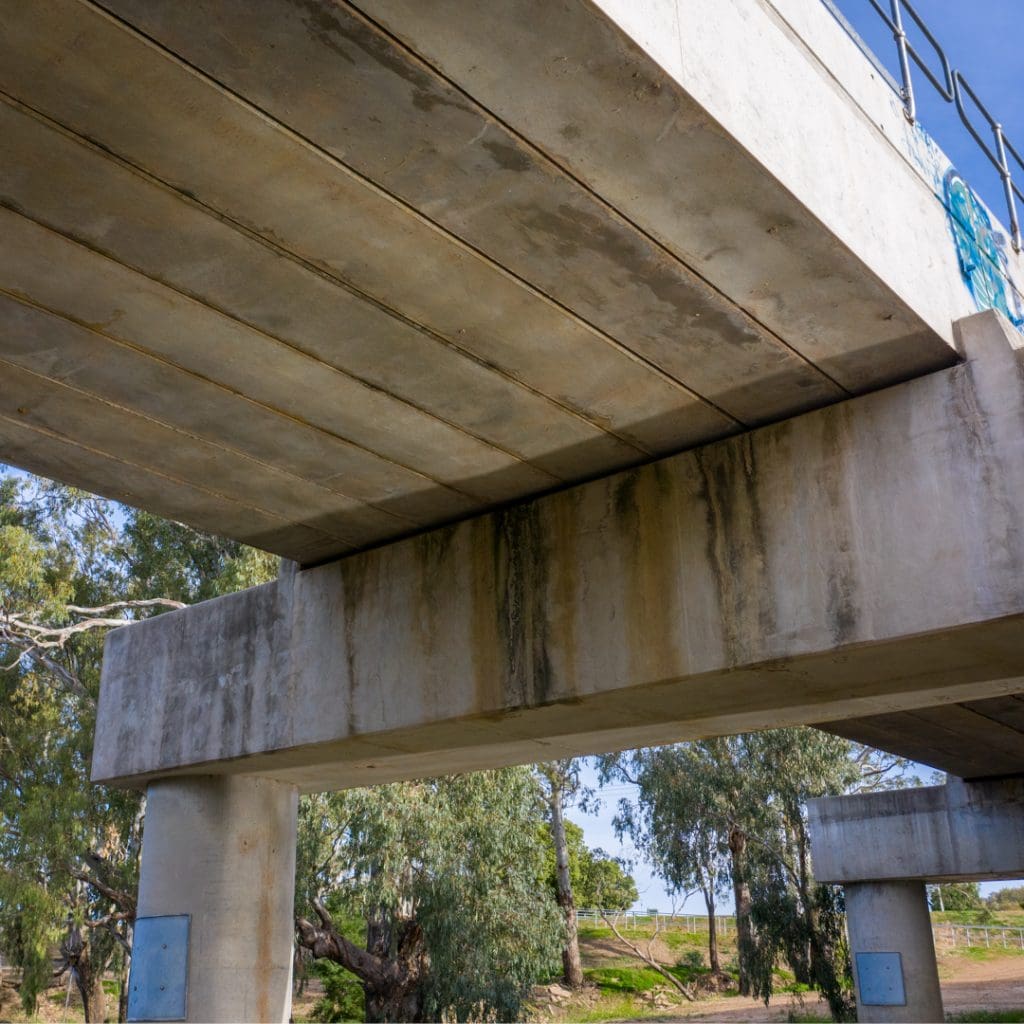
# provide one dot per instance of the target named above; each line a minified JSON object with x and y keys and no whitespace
{"x":860,"y":559}
{"x":322,"y":287}
{"x":892,"y":917}
{"x":935,"y":833}
{"x":781,"y":79}
{"x":222,"y":850}
{"x":883,"y":847}
{"x":970,"y":739}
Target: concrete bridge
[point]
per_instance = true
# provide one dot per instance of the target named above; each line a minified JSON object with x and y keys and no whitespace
{"x":607,"y":373}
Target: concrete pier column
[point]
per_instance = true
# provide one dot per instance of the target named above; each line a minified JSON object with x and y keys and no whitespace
{"x":214,"y":933}
{"x":894,"y":967}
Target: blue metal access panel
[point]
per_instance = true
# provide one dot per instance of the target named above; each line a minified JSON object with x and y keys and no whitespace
{"x":158,"y":984}
{"x":880,"y":979}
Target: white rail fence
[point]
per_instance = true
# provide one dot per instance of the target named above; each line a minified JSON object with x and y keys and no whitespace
{"x":724,"y":925}
{"x":988,"y":936}
{"x":947,"y":936}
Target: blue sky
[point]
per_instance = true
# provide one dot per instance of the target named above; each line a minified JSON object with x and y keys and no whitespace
{"x":982,"y":39}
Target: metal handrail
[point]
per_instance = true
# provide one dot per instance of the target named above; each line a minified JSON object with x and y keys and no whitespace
{"x":953,"y":87}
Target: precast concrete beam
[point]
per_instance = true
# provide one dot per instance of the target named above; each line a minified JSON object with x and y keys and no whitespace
{"x":327,"y":281}
{"x":215,"y":924}
{"x":857,"y":560}
{"x":959,"y":831}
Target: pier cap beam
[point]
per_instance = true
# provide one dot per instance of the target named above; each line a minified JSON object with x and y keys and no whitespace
{"x":857,"y":560}
{"x":956,"y":832}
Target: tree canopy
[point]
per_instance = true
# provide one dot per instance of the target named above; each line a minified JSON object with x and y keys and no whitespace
{"x":72,"y":566}
{"x":729,"y":811}
{"x":598,"y":880}
{"x":443,"y":874}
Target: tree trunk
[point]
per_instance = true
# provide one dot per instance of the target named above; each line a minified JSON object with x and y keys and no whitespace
{"x":807,"y":902}
{"x":392,"y":968}
{"x":88,"y":974}
{"x":713,"y":961}
{"x":394,"y":1005}
{"x":572,"y":966}
{"x":122,"y":992}
{"x":90,"y":987}
{"x":741,"y":893}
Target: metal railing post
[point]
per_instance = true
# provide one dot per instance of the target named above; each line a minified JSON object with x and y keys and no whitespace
{"x":1007,"y":177}
{"x":900,"y":35}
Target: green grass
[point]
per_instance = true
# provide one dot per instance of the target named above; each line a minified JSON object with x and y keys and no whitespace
{"x":625,"y":979}
{"x":672,"y":937}
{"x":983,"y":953}
{"x":982,"y":916}
{"x":614,"y":1008}
{"x":980,"y":1016}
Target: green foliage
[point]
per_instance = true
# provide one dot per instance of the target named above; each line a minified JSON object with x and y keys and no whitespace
{"x":690,"y":960}
{"x":605,"y":883}
{"x":343,"y":998}
{"x":459,"y":859}
{"x":597,"y":879}
{"x":59,"y":834}
{"x":955,"y":896}
{"x":1008,"y":898}
{"x":167,"y":559}
{"x":731,"y":810}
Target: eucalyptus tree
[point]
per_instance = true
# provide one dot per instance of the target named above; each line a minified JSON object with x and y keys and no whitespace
{"x":734,"y":808}
{"x":560,"y":781}
{"x":674,"y":824}
{"x":73,"y":566}
{"x":442,"y":875}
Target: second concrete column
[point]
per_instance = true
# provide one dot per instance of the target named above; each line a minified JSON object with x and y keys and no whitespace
{"x":894,"y":967}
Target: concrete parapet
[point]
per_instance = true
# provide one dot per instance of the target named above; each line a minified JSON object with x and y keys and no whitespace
{"x":859,"y":559}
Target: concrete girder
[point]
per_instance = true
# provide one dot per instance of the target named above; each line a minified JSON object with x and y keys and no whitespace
{"x":859,"y":559}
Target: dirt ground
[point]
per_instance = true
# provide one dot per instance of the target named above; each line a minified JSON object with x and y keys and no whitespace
{"x":994,"y":983}
{"x":970,"y":981}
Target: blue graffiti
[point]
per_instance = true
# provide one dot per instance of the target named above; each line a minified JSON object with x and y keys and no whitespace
{"x":982,"y":251}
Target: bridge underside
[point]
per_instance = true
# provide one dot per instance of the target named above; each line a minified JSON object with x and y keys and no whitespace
{"x":858,"y":562}
{"x":379,"y":285}
{"x":314,"y":276}
{"x":281,"y":271}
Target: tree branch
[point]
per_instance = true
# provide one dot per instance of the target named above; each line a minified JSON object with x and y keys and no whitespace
{"x":648,"y":959}
{"x":122,"y":899}
{"x":325,"y":941}
{"x":149,"y":602}
{"x":70,"y":681}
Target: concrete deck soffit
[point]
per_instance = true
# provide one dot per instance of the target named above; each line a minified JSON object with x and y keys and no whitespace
{"x":290,"y":273}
